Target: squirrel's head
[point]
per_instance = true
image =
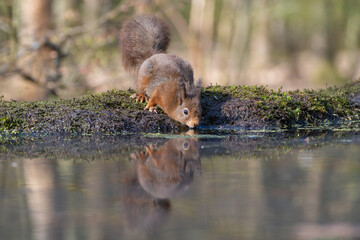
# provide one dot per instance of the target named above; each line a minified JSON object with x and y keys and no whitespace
{"x":188,"y":111}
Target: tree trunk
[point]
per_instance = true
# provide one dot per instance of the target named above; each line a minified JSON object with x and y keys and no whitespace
{"x":259,"y":48}
{"x":220,"y":59}
{"x":92,"y":10}
{"x":37,"y":59}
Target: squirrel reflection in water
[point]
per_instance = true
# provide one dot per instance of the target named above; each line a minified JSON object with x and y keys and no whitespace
{"x":157,"y":175}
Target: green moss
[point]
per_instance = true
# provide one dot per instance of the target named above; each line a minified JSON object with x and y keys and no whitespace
{"x":287,"y":108}
{"x":39,"y":115}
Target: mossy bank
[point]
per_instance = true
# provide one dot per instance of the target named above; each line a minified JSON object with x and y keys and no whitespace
{"x":249,"y":107}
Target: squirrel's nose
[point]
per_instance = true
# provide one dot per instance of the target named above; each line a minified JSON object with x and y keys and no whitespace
{"x":193,"y":123}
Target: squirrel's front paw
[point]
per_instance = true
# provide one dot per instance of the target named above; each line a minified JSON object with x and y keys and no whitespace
{"x":151,"y":109}
{"x":139,"y":97}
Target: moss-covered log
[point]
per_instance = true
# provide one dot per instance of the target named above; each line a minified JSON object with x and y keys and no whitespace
{"x":231,"y":106}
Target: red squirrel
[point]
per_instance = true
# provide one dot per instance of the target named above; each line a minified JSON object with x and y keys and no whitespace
{"x":169,"y":169}
{"x":162,"y":79}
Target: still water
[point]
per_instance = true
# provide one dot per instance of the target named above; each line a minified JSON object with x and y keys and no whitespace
{"x":248,"y":186}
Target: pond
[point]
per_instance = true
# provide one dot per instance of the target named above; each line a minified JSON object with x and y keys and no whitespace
{"x":290,"y":185}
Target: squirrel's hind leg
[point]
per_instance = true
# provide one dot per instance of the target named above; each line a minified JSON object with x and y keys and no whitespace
{"x":153,"y":101}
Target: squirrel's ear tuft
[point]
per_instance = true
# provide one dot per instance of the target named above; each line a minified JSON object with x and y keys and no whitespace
{"x":199,"y":82}
{"x":198,"y":86}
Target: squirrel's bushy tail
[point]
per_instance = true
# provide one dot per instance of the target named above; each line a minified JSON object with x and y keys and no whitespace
{"x":142,"y":37}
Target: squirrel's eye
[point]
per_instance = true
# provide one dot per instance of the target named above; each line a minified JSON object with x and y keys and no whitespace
{"x":186,"y":146}
{"x":186,"y":111}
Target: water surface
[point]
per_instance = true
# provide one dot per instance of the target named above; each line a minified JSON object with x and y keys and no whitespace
{"x":248,"y":186}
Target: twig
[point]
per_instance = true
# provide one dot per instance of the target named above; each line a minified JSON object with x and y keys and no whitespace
{"x":89,"y":27}
{"x":5,"y":27}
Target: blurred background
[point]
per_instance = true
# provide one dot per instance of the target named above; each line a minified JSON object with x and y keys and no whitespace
{"x":64,"y":48}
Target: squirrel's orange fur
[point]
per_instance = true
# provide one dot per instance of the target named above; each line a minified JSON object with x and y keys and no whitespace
{"x":162,"y":79}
